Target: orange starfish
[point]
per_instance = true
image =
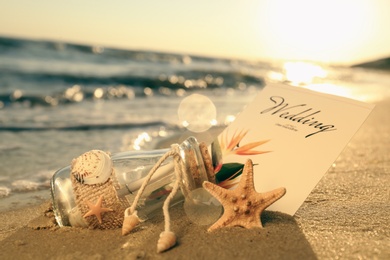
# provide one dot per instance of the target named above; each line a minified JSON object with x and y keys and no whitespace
{"x":243,"y":205}
{"x":96,"y":209}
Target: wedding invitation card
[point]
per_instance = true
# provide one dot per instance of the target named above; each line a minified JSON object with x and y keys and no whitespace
{"x":292,"y":135}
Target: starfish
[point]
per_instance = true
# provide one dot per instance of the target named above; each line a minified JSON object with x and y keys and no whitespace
{"x":96,"y":209}
{"x":243,"y":205}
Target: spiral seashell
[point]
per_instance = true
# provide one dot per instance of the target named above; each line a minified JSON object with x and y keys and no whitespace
{"x":92,"y":167}
{"x":166,"y":241}
{"x":129,"y":223}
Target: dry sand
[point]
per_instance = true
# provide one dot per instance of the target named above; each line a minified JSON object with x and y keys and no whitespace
{"x":346,"y":216}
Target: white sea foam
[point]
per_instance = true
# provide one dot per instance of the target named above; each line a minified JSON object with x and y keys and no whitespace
{"x":4,"y":191}
{"x":25,"y":185}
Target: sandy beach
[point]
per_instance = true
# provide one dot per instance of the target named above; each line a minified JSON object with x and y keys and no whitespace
{"x":345,"y":217}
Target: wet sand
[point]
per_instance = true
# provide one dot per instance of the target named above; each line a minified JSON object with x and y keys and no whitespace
{"x":346,"y":216}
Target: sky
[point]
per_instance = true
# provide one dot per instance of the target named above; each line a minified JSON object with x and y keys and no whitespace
{"x":331,"y":31}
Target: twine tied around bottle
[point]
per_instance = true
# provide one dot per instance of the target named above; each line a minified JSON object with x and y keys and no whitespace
{"x":167,"y":237}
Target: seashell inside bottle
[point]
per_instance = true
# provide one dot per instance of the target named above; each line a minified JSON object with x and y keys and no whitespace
{"x":92,"y":167}
{"x":126,"y":172}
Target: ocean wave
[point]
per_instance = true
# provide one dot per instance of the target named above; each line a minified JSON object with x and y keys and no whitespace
{"x":44,"y":73}
{"x":21,"y":186}
{"x":84,"y":127}
{"x":41,"y":47}
{"x":38,"y":181}
{"x":4,"y":191}
{"x":185,"y":80}
{"x":172,"y":86}
{"x":28,"y":185}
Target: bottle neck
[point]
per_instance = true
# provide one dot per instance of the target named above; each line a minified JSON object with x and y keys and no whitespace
{"x":196,"y":163}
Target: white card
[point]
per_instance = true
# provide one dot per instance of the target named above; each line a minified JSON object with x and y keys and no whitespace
{"x":292,"y":135}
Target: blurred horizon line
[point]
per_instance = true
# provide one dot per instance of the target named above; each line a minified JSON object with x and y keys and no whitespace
{"x":96,"y":48}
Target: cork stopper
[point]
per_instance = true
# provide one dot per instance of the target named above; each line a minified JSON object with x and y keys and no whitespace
{"x":208,"y":163}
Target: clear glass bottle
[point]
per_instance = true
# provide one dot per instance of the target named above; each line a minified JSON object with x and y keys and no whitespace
{"x":130,"y":170}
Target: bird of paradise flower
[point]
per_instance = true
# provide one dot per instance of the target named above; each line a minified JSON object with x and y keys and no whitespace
{"x":227,"y":174}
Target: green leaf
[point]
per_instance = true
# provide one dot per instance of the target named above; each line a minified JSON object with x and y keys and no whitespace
{"x":228,"y":170}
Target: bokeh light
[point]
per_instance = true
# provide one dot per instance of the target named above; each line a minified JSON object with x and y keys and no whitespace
{"x":202,"y":208}
{"x":197,"y":113}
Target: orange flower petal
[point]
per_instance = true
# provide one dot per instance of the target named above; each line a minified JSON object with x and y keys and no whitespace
{"x":250,"y":152}
{"x":236,"y":139}
{"x":251,"y":145}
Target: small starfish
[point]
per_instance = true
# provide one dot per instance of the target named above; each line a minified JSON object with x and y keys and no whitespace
{"x":243,"y":205}
{"x":96,"y":209}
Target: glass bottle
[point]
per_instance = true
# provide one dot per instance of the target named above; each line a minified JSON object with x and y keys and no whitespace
{"x":130,"y":169}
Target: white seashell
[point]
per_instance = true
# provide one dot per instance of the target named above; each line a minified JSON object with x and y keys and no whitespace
{"x":92,"y":167}
{"x":166,"y":241}
{"x":126,"y":245}
{"x":129,"y":223}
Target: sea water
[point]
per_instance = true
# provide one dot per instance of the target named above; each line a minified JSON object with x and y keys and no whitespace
{"x":59,"y":100}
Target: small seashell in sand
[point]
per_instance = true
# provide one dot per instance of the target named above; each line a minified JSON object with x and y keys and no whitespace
{"x":126,"y":245}
{"x":166,"y":241}
{"x":92,"y":167}
{"x":129,"y":223}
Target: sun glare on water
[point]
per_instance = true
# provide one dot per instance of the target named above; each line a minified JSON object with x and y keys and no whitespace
{"x":302,"y":72}
{"x":315,"y":77}
{"x":333,"y":89}
{"x":310,"y":76}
